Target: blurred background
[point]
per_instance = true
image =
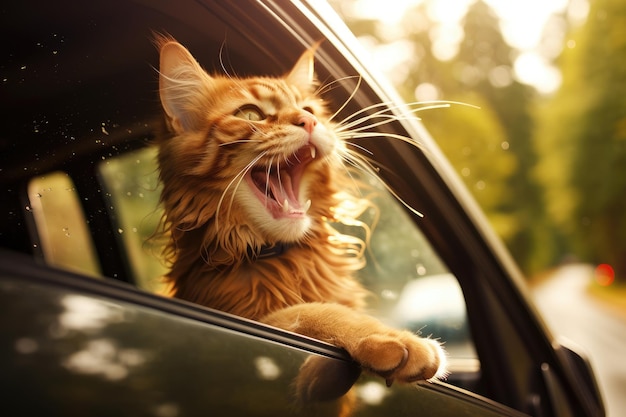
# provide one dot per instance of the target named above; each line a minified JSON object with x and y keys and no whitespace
{"x":544,"y":155}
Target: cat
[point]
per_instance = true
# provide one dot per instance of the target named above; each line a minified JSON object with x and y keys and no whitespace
{"x":251,"y":174}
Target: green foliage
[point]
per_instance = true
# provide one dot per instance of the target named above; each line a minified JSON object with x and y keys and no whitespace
{"x":133,"y":188}
{"x":490,"y":148}
{"x":477,"y":146}
{"x":582,"y":137}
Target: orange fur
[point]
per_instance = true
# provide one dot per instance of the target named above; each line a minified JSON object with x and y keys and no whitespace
{"x":228,"y":136}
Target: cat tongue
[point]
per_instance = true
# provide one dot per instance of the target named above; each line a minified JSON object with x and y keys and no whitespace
{"x":283,"y":191}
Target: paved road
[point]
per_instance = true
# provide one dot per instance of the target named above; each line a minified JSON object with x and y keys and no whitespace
{"x":571,"y":313}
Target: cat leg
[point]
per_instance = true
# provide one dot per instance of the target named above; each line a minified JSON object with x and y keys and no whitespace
{"x":396,"y":355}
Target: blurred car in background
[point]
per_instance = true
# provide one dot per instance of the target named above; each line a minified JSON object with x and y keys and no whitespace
{"x":83,"y":329}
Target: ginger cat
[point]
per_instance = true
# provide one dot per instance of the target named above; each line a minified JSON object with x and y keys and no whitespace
{"x":251,"y":175}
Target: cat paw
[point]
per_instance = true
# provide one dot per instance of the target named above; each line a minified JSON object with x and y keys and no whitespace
{"x":402,"y":357}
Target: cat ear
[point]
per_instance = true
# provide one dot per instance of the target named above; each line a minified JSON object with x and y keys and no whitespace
{"x":303,"y":73}
{"x":183,"y":86}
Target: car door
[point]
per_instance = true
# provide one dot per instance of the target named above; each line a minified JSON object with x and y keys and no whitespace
{"x":75,"y":346}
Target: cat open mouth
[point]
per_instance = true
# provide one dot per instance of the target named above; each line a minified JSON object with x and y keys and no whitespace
{"x":278,"y":186}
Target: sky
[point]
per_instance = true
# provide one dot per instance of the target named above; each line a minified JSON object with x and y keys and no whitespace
{"x":526,"y":25}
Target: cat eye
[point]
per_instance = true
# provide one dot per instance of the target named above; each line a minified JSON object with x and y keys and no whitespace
{"x":250,"y":112}
{"x":308,"y":109}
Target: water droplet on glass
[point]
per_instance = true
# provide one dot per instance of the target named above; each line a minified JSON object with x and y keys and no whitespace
{"x":421,"y":269}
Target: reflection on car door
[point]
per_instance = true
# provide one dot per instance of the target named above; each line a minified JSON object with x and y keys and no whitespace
{"x":76,"y":346}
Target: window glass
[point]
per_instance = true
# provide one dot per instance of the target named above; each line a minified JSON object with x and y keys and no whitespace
{"x":131,"y":181}
{"x":411,"y":285}
{"x":64,"y":236}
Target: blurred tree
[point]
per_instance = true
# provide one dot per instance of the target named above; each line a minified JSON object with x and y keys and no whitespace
{"x":491,"y":148}
{"x":484,"y":66}
{"x":583,"y":138}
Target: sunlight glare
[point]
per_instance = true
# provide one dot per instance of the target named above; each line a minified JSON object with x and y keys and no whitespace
{"x":526,"y":26}
{"x":383,"y":11}
{"x":523,"y":21}
{"x":531,"y":68}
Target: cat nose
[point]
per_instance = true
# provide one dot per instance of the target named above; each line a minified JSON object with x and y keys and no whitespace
{"x":307,"y":122}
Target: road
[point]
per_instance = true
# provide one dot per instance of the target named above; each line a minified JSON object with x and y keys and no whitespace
{"x":571,"y":313}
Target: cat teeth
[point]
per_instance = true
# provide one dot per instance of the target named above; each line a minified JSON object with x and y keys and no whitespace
{"x":286,"y":206}
{"x":313,"y":151}
{"x":307,"y":205}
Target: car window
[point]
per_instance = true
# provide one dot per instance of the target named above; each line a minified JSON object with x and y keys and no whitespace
{"x":411,"y":287}
{"x":61,"y":225}
{"x":132,"y":193}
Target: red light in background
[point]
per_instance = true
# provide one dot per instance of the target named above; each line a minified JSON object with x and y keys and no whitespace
{"x":605,"y":275}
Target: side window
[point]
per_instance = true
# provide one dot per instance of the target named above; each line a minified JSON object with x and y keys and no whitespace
{"x":131,"y":182}
{"x":61,"y":225}
{"x":412,"y":287}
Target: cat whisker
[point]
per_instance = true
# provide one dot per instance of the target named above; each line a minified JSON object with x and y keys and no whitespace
{"x":359,"y":147}
{"x":387,"y":110}
{"x":362,"y":135}
{"x":384,"y":105}
{"x":221,"y":58}
{"x":237,"y":178}
{"x":325,"y":88}
{"x":234,"y":142}
{"x":255,"y":128}
{"x":267,"y":182}
{"x":295,"y":156}
{"x":388,"y":117}
{"x":365,"y":164}
{"x":280,"y":182}
{"x":345,"y":103}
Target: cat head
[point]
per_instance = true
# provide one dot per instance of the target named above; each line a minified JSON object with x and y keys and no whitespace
{"x":251,"y":159}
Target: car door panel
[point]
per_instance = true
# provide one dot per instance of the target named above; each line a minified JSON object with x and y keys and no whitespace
{"x":73,"y":345}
